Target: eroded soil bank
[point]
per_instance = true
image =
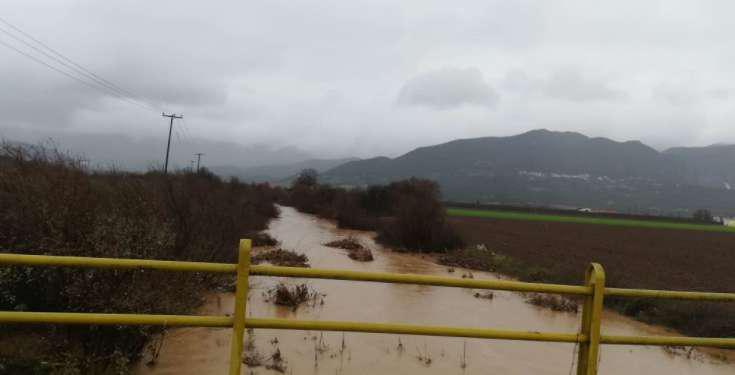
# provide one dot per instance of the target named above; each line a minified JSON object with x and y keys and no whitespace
{"x":205,"y":351}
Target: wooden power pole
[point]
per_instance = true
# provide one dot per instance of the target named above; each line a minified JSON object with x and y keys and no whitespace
{"x":199,"y":159}
{"x":168,"y":145}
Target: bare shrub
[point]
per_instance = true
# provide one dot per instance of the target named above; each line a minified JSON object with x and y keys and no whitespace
{"x":361,"y":255}
{"x":293,"y":295}
{"x":349,"y":243}
{"x":276,"y":362}
{"x":280,"y":257}
{"x":50,"y":204}
{"x":485,"y":295}
{"x":253,"y":358}
{"x":261,"y":239}
{"x":553,"y":302}
{"x":419,"y":219}
{"x":406,"y":214}
{"x":354,"y":248}
{"x":681,"y":351}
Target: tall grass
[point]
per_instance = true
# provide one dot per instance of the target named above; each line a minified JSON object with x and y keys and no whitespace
{"x":49,"y":204}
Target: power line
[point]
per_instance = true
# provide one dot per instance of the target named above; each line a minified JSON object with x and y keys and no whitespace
{"x":78,"y":66}
{"x":50,"y":66}
{"x":72,"y":76}
{"x":187,"y":133}
{"x":61,"y":64}
{"x":72,"y":65}
{"x":177,"y":133}
{"x":54,"y":58}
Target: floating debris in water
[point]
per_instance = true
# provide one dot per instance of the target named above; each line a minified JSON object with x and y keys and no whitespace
{"x":486,"y":295}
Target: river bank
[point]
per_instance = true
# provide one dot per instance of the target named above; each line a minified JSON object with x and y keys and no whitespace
{"x":204,"y":350}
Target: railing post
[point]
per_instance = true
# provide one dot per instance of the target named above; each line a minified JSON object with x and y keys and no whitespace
{"x":589,"y":350}
{"x":241,"y":297}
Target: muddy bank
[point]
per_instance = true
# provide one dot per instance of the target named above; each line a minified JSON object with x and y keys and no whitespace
{"x":197,"y":351}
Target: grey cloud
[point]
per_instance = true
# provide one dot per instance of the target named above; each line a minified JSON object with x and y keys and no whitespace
{"x":572,"y":85}
{"x":720,"y":93}
{"x":448,"y":88}
{"x":564,"y":84}
{"x":28,"y":97}
{"x":679,"y":95}
{"x":336,"y":78}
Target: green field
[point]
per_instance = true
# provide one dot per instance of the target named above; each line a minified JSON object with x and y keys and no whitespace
{"x":508,"y":215}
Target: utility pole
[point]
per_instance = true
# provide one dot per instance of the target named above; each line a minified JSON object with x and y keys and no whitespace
{"x":168,"y":145}
{"x":199,"y":158}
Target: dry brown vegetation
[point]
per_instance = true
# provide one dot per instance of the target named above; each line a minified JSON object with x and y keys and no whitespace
{"x":485,"y":295}
{"x":632,"y":257}
{"x":361,"y":255}
{"x":280,"y":257}
{"x":553,"y":302}
{"x":276,"y":362}
{"x":293,"y":295}
{"x":261,"y":239}
{"x":354,"y":248}
{"x":50,"y":204}
{"x":406,"y":214}
{"x":349,"y":243}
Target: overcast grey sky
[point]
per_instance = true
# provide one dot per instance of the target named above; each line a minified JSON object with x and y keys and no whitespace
{"x":363,"y":78}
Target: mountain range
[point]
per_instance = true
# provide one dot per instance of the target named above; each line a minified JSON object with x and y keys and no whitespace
{"x":278,"y":173}
{"x":563,"y":169}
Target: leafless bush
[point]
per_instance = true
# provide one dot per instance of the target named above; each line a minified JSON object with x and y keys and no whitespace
{"x":349,"y":243}
{"x":553,"y":302}
{"x":262,"y":239}
{"x":280,"y":257}
{"x":354,"y":248}
{"x":485,"y":295}
{"x":276,"y":362}
{"x":361,"y":255}
{"x":293,"y":296}
{"x":406,"y":214}
{"x":50,"y":204}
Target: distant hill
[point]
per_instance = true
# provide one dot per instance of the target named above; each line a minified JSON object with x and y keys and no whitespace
{"x":544,"y":167}
{"x":279,"y":172}
{"x":710,"y":166}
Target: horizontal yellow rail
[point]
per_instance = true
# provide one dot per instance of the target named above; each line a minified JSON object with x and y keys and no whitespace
{"x":114,"y":319}
{"x":163,"y":265}
{"x":670,"y":294}
{"x":589,"y":339}
{"x":400,"y":278}
{"x":715,"y":342}
{"x":318,"y":325}
{"x":179,"y":266}
{"x":408,"y":329}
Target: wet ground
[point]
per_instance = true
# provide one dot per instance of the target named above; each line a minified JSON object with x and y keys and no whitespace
{"x":205,"y":350}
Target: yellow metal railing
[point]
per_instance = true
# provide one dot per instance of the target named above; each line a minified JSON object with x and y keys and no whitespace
{"x":589,"y":338}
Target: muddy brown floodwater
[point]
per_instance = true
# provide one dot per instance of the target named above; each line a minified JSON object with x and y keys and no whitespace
{"x":205,"y":350}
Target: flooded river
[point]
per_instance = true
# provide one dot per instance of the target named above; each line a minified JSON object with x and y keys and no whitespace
{"x":205,"y":351}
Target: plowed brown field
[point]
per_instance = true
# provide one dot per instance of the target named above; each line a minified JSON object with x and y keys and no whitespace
{"x":632,"y":257}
